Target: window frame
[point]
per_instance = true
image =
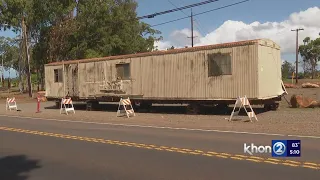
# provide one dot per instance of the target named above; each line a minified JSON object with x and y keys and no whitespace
{"x":58,"y":75}
{"x":125,"y":70}
{"x":219,"y":64}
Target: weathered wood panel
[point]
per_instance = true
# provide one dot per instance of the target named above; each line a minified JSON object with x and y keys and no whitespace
{"x":213,"y":74}
{"x":53,"y":89}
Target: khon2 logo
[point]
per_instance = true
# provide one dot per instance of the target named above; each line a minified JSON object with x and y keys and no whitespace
{"x":278,"y":148}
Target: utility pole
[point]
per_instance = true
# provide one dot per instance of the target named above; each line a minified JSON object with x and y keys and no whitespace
{"x":191,"y":28}
{"x":192,"y":36}
{"x":297,"y":50}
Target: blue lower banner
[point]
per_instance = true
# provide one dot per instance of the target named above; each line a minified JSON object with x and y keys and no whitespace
{"x":286,"y":148}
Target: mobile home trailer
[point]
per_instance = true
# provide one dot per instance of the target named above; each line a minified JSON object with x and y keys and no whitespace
{"x":213,"y":74}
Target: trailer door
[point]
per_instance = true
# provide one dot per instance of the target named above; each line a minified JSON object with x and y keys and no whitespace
{"x":72,"y":86}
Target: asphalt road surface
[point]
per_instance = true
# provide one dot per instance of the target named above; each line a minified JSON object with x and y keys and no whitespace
{"x":35,"y":149}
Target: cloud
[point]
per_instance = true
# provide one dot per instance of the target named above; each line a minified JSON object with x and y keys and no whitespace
{"x":162,"y":45}
{"x":230,"y":31}
{"x":182,"y":37}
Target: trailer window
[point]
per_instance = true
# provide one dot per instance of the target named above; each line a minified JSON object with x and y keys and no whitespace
{"x":58,"y":75}
{"x":123,"y":71}
{"x":219,"y":64}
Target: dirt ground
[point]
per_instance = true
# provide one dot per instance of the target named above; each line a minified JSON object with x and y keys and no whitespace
{"x":285,"y":120}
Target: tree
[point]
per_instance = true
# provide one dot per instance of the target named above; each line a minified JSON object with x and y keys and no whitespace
{"x":287,"y":69}
{"x":310,"y":52}
{"x":30,"y":17}
{"x":109,"y":27}
{"x":56,"y":32}
{"x":172,"y":47}
{"x":10,"y":55}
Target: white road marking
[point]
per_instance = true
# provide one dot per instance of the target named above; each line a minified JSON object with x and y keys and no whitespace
{"x":163,"y":127}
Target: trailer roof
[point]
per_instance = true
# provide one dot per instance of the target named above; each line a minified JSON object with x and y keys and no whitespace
{"x":173,"y":51}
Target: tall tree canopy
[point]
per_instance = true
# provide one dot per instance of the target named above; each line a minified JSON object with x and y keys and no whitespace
{"x":76,"y":29}
{"x":112,"y":29}
{"x":287,"y":69}
{"x":310,"y":53}
{"x":9,"y":53}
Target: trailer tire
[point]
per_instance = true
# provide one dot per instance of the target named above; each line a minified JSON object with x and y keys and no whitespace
{"x":271,"y":107}
{"x":193,"y":108}
{"x":222,"y":108}
{"x":58,"y":104}
{"x":135,"y":105}
{"x":274,"y":106}
{"x":92,"y":105}
{"x":145,"y":105}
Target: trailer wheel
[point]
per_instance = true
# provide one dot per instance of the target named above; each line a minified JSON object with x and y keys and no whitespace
{"x":145,"y":105}
{"x":58,"y":104}
{"x":272,"y":107}
{"x":136,"y":105}
{"x":222,"y":108}
{"x":193,"y":108}
{"x":92,"y":105}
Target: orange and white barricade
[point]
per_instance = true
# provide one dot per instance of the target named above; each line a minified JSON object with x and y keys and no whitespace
{"x":67,"y":105}
{"x":243,"y":102}
{"x":11,"y":104}
{"x":127,"y":108}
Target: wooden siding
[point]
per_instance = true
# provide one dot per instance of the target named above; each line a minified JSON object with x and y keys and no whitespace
{"x":182,"y":75}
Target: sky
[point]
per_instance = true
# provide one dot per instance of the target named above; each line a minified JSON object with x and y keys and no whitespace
{"x":272,"y":19}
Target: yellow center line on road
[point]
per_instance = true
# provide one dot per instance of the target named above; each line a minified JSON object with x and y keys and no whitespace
{"x":237,"y":158}
{"x":221,"y":156}
{"x":256,"y":159}
{"x":311,"y":164}
{"x":186,"y":149}
{"x":226,"y":154}
{"x":272,"y":159}
{"x":312,"y":167}
{"x":206,"y":154}
{"x":293,"y":162}
{"x":289,"y":164}
{"x":210,"y":152}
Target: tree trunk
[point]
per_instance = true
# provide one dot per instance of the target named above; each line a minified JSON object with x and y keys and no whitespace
{"x":42,"y":78}
{"x":21,"y":68}
{"x":313,"y":72}
{"x":314,"y":65}
{"x":25,"y":37}
{"x":38,"y":80}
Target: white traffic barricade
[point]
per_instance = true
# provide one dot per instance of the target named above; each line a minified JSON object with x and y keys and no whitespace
{"x":67,"y":105}
{"x":243,"y":102}
{"x":11,"y":104}
{"x":127,"y":108}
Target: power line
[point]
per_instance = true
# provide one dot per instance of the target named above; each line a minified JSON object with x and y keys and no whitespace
{"x":200,"y":27}
{"x":198,"y":24}
{"x":200,"y":13}
{"x":196,"y":20}
{"x":177,"y":9}
{"x":192,"y":36}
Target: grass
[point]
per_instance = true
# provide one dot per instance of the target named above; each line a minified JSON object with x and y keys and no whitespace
{"x":300,"y":81}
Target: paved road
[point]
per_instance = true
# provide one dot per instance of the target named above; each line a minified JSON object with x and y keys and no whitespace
{"x":39,"y":149}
